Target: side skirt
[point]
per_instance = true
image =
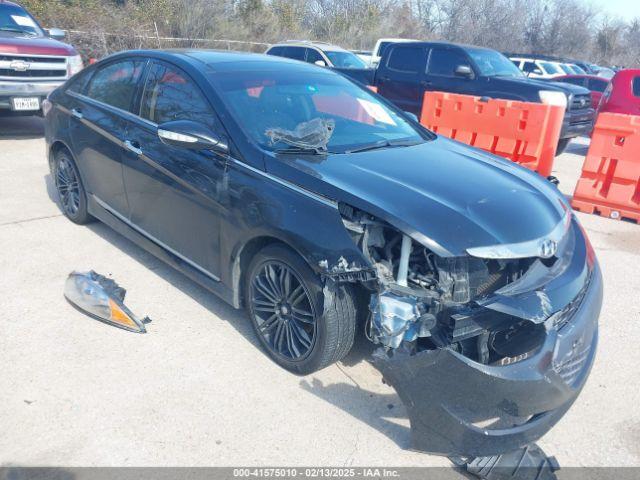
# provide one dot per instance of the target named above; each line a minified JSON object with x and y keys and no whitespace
{"x":106,"y":217}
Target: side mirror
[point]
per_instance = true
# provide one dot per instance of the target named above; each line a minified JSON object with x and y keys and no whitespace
{"x":464,"y":71}
{"x":320,"y":63}
{"x":191,"y":135}
{"x":412,"y":116}
{"x":56,"y":33}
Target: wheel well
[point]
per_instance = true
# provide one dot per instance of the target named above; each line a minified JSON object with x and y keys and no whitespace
{"x":56,"y":147}
{"x":242,"y":260}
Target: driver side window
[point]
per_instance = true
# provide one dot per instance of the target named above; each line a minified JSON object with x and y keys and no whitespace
{"x":444,"y":62}
{"x":169,"y":94}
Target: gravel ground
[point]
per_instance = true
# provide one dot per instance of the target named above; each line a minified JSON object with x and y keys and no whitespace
{"x":197,"y":390}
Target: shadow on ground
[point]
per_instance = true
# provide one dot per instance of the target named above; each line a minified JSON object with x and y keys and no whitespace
{"x":380,"y":411}
{"x":21,"y":128}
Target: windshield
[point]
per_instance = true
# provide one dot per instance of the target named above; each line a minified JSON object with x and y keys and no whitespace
{"x":278,"y":110}
{"x":493,"y":64}
{"x":16,"y":20}
{"x":345,"y":60}
{"x":550,"y":68}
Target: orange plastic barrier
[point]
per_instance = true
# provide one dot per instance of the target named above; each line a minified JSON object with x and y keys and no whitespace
{"x":526,"y":133}
{"x":610,"y":181}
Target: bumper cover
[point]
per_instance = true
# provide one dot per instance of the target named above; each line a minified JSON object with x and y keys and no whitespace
{"x":459,"y":407}
{"x":25,"y":89}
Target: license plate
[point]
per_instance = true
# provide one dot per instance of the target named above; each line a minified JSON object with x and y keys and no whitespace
{"x":25,"y":104}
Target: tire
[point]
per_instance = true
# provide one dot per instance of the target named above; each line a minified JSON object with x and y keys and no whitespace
{"x":563,"y":143}
{"x":71,"y":192}
{"x":329,"y":320}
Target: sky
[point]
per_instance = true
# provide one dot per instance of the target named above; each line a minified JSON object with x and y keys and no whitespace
{"x":625,"y":9}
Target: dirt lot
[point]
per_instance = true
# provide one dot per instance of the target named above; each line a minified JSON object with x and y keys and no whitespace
{"x":197,"y":390}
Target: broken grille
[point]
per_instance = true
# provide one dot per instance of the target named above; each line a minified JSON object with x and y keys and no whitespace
{"x":564,"y":316}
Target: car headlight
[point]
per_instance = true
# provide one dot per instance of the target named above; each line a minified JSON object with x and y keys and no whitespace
{"x":549,"y":97}
{"x":74,"y":64}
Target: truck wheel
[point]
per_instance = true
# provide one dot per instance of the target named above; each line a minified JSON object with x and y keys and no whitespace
{"x":563,"y":143}
{"x":302,"y":328}
{"x":73,"y":199}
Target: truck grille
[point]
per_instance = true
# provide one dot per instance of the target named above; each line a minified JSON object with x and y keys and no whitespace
{"x":580,"y":102}
{"x":32,"y":67}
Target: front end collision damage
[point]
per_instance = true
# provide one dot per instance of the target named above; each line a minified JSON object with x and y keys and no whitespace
{"x":487,"y":354}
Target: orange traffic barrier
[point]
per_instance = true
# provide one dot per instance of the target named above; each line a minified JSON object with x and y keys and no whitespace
{"x":526,"y":133}
{"x":610,"y":181}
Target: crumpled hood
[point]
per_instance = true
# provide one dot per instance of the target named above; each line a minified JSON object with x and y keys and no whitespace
{"x":446,"y":195}
{"x":34,"y":46}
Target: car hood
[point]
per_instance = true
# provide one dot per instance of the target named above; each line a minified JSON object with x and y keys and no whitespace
{"x":18,"y":44}
{"x":547,"y":85}
{"x":446,"y":195}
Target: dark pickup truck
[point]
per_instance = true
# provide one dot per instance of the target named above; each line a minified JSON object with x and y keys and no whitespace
{"x":407,"y":70}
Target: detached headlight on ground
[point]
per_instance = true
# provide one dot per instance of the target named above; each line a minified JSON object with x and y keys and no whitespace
{"x":102,"y":298}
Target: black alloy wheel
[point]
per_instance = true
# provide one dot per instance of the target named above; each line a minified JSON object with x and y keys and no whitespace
{"x":283,"y":311}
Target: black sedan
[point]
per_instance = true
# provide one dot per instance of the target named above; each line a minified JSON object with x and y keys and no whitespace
{"x":326,"y":212}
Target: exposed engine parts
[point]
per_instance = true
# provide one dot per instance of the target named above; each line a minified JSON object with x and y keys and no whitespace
{"x":424,"y":301}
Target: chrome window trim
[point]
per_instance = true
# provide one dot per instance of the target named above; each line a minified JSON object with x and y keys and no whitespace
{"x":98,"y":103}
{"x":154,"y":239}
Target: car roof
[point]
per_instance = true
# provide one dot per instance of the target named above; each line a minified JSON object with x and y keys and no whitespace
{"x":327,"y":47}
{"x":226,"y":61}
{"x":462,"y":46}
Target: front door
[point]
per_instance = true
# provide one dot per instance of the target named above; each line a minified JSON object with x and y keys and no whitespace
{"x":173,"y":191}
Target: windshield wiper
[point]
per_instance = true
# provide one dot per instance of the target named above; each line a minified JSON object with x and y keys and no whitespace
{"x":384,"y":144}
{"x":297,"y":149}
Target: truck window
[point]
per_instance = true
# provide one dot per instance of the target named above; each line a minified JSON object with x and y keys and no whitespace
{"x":406,"y":59}
{"x":531,"y":67}
{"x":636,"y":87}
{"x":444,"y":61}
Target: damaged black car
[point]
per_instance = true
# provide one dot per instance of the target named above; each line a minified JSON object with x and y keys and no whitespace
{"x":327,"y":213}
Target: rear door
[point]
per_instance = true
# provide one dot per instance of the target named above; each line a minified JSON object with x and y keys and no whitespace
{"x":97,"y":129}
{"x":174,"y":191}
{"x":400,"y":78}
{"x":441,"y":71}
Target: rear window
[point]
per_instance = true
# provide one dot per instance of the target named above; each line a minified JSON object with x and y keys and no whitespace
{"x":277,"y":51}
{"x":406,"y":59}
{"x":116,"y":83}
{"x":296,"y":53}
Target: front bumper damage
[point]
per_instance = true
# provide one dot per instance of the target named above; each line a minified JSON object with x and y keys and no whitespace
{"x":450,"y":398}
{"x":486,"y":353}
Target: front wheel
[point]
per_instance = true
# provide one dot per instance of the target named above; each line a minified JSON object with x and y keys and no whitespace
{"x":563,"y":143}
{"x":302,"y":326}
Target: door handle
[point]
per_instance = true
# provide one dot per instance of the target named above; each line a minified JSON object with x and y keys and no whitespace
{"x":77,"y":113}
{"x":133,"y":147}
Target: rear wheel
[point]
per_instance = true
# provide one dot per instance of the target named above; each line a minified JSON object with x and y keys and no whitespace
{"x":302,"y":327}
{"x":563,"y":143}
{"x":73,"y":199}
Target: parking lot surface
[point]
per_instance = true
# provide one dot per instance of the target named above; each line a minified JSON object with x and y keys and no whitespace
{"x":197,"y":390}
